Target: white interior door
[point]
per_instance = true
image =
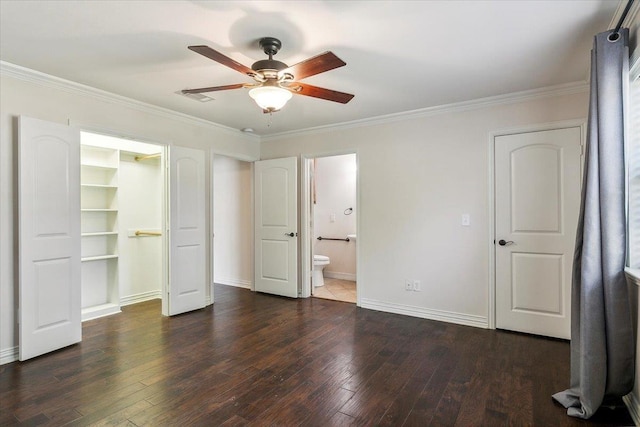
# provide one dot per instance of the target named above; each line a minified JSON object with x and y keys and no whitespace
{"x":537,"y":176}
{"x":49,"y":237}
{"x":187,"y":233}
{"x":276,"y":228}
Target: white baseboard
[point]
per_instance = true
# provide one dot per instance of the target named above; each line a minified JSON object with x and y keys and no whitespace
{"x":8,"y":355}
{"x":238,"y":283}
{"x":98,"y":311}
{"x":338,"y":275}
{"x":426,"y":313}
{"x":141,"y":297}
{"x":633,"y":405}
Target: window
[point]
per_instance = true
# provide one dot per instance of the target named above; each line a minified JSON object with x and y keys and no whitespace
{"x":633,"y":162}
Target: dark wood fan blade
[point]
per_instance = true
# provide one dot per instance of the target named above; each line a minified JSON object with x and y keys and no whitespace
{"x":319,"y":92}
{"x":213,"y":88}
{"x":315,"y":65}
{"x":223,"y":59}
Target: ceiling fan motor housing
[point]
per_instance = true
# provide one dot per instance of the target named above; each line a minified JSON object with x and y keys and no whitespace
{"x":270,"y":46}
{"x":268,"y":64}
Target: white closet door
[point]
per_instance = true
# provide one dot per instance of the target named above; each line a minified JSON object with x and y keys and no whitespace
{"x":49,"y":237}
{"x":187,"y":278}
{"x":276,"y":227}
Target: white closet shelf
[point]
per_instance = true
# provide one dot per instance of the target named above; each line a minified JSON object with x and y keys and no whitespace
{"x":100,"y":233}
{"x":98,"y":186}
{"x":98,"y":210}
{"x":97,"y":166}
{"x":98,"y":258}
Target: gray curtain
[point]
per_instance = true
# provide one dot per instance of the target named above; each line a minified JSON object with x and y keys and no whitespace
{"x":602,"y":346}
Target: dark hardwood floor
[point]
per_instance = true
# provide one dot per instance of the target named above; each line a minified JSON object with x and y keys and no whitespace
{"x":255,"y":359}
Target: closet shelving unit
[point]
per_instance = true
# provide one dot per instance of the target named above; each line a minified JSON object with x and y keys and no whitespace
{"x":99,"y":225}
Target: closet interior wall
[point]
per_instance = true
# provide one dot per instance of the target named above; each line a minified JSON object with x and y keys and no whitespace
{"x":233,"y":221}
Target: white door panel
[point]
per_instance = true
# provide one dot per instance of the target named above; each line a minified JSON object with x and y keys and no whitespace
{"x":187,"y":286}
{"x":537,"y":177}
{"x":49,"y":237}
{"x":276,"y":239}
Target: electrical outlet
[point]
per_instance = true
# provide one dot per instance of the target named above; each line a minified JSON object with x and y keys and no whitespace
{"x":416,"y":286}
{"x":408,"y":286}
{"x":466,"y":220}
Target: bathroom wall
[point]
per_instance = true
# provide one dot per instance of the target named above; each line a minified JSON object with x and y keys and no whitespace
{"x":335,"y":179}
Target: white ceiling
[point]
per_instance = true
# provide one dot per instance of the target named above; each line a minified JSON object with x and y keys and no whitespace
{"x":400,"y":55}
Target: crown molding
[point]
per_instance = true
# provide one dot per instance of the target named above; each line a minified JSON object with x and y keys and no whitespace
{"x":32,"y":76}
{"x":457,"y":107}
{"x":46,"y":80}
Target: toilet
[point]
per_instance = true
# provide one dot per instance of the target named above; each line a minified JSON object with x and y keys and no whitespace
{"x":319,"y":263}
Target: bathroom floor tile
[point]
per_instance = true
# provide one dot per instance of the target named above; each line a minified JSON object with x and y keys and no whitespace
{"x":336,"y":289}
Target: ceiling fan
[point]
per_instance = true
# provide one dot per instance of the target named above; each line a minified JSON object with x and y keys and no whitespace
{"x":275,"y":81}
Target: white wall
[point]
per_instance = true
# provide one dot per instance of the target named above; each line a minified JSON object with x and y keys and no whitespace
{"x":417,"y":175}
{"x":36,"y":95}
{"x":233,"y":222}
{"x":140,"y":207}
{"x":335,"y":182}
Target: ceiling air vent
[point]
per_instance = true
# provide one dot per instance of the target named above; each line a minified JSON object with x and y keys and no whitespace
{"x":196,"y":96}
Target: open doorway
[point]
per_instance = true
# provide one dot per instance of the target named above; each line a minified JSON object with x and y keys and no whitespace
{"x":232,"y":221}
{"x":72,"y":191}
{"x":123,"y":212}
{"x":332,"y":236}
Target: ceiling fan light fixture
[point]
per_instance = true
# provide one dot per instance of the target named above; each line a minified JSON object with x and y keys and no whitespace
{"x":270,"y":98}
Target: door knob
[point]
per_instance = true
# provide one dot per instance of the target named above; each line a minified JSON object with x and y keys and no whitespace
{"x":290,"y":234}
{"x":503,"y":242}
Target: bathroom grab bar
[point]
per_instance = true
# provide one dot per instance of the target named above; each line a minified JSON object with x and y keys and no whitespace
{"x":329,"y":238}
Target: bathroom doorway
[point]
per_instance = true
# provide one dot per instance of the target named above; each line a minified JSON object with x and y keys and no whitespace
{"x":330,"y":240}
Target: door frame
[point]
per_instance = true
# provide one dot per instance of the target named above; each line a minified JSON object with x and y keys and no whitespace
{"x":491,"y":247}
{"x":166,"y":147}
{"x":306,"y":266}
